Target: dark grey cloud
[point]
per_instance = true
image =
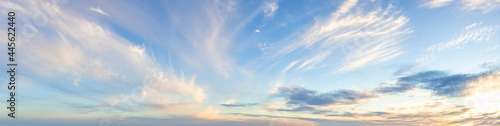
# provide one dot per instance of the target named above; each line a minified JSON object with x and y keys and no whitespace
{"x":301,"y":108}
{"x":378,"y":113}
{"x":390,"y":89}
{"x":347,"y":114}
{"x":442,"y":83}
{"x":300,"y":95}
{"x":239,"y":105}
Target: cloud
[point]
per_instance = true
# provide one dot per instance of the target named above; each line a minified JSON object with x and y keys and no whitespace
{"x":389,"y":89}
{"x":474,"y":33}
{"x":159,"y":84}
{"x":299,"y":95}
{"x":435,"y":3}
{"x":440,"y":83}
{"x":69,"y":45}
{"x":451,"y":85}
{"x":257,"y":30}
{"x":209,"y":113}
{"x":360,"y":35}
{"x":346,"y":6}
{"x":305,"y":108}
{"x":319,"y":121}
{"x":98,"y":10}
{"x":483,"y":119}
{"x":349,"y":114}
{"x":239,"y":105}
{"x":289,"y":66}
{"x":308,"y":121}
{"x":207,"y":30}
{"x":483,"y":5}
{"x":270,"y":7}
{"x":301,"y":108}
{"x":468,"y":5}
{"x":429,"y":114}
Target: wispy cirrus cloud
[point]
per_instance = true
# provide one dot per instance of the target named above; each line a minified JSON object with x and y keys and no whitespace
{"x":356,"y":37}
{"x":68,"y":45}
{"x":209,"y":29}
{"x":435,"y":3}
{"x":468,"y":5}
{"x":98,"y":10}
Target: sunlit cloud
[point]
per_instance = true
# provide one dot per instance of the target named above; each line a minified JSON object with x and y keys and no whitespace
{"x":98,"y":10}
{"x":209,"y":113}
{"x":89,"y":52}
{"x":483,"y":5}
{"x":435,"y":3}
{"x":468,"y":5}
{"x":474,"y":33}
{"x":360,"y":36}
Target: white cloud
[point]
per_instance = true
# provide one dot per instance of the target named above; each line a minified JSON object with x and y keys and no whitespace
{"x":358,"y":37}
{"x":435,"y":3}
{"x":483,"y":5}
{"x":468,"y":5}
{"x":257,"y":30}
{"x":70,"y":44}
{"x":160,"y":86}
{"x":314,"y":60}
{"x":289,"y":66}
{"x":474,"y":33}
{"x":270,"y":8}
{"x":98,"y":10}
{"x":208,"y":31}
{"x":346,"y":6}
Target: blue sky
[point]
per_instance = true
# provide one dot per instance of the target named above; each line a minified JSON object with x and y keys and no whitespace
{"x":224,"y":62}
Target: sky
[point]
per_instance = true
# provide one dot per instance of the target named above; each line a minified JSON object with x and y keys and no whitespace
{"x":271,"y":62}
